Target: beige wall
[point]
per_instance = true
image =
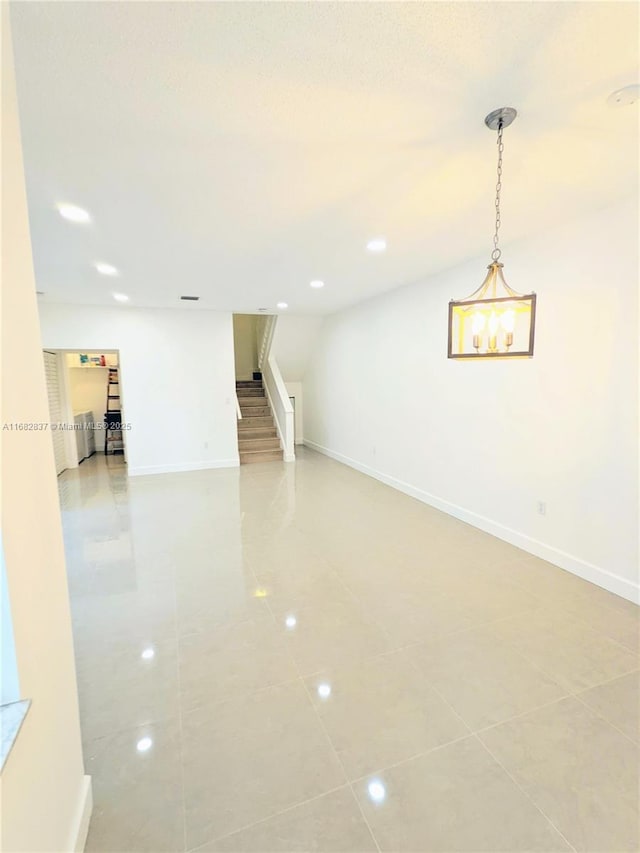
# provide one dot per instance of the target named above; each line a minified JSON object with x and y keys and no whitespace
{"x":89,"y":390}
{"x":245,"y":344}
{"x":45,"y":794}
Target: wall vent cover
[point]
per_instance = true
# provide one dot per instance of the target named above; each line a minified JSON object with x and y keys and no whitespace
{"x":190,"y":298}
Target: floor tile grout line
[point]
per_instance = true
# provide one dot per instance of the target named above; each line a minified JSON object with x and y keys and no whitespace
{"x":606,"y":720}
{"x":417,"y":642}
{"x":416,"y":755}
{"x":357,"y":662}
{"x":300,"y":680}
{"x":605,"y":682}
{"x":332,"y":747}
{"x":365,"y":609}
{"x":500,"y":722}
{"x":346,"y":775}
{"x":526,"y":794}
{"x":546,"y":602}
{"x":242,"y":695}
{"x":245,"y":694}
{"x":561,"y":681}
{"x":269,"y":817}
{"x":160,"y":721}
{"x":220,"y":627}
{"x":286,"y":645}
{"x":442,"y":698}
{"x":533,"y":710}
{"x":608,"y":681}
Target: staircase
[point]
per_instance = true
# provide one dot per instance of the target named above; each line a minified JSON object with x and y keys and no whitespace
{"x":257,"y":437}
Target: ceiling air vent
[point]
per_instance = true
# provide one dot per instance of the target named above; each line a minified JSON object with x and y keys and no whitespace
{"x":189,"y":298}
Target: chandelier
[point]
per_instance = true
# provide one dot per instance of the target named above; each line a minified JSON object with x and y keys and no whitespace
{"x":494,"y":321}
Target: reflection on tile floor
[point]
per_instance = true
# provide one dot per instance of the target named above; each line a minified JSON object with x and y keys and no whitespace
{"x":295,"y":657}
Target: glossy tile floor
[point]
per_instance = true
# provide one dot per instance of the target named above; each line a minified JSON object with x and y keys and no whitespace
{"x":294,"y":657}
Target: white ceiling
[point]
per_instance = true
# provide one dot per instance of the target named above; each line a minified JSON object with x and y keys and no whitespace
{"x":238,"y":150}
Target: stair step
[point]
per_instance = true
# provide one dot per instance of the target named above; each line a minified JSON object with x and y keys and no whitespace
{"x":248,"y":383}
{"x":255,"y":412}
{"x":245,"y":444}
{"x":243,"y":393}
{"x":256,"y":422}
{"x":260,"y":456}
{"x":257,"y":400}
{"x":259,"y":432}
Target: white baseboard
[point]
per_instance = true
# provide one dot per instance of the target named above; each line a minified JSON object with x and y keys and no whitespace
{"x":594,"y":574}
{"x":83,"y":816}
{"x":184,"y":466}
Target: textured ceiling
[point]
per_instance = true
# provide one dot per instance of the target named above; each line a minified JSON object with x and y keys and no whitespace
{"x":239,"y":150}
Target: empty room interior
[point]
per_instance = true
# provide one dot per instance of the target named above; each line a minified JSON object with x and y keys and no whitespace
{"x":320,"y":427}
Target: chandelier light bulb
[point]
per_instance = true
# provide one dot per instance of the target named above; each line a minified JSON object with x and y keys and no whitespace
{"x":477,"y":325}
{"x":508,"y":320}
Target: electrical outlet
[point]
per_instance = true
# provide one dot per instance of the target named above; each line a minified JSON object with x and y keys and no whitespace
{"x":542,"y":508}
{"x":206,"y":445}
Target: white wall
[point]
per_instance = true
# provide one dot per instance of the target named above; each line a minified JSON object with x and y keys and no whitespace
{"x":46,"y":798}
{"x":177,"y":379}
{"x":245,"y":345}
{"x":487,"y":440}
{"x":293,"y":342}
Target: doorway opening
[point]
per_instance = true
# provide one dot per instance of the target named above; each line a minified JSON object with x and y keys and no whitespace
{"x":86,"y":410}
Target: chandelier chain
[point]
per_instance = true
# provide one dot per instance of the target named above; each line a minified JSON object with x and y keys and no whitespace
{"x":495,"y":255}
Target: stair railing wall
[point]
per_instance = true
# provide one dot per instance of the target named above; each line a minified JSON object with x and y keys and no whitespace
{"x":275,"y":388}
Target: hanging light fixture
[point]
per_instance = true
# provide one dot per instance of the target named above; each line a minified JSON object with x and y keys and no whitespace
{"x":494,"y":321}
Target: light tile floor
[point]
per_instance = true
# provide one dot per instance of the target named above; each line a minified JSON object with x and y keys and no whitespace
{"x":294,"y":657}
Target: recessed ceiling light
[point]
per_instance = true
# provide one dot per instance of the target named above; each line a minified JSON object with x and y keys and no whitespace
{"x":282,"y":305}
{"x":73,"y":213}
{"x":378,"y":244}
{"x":106,"y":269}
{"x":317,"y":284}
{"x":148,"y":654}
{"x":624,"y":97}
{"x":121,"y":297}
{"x":291,"y":622}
